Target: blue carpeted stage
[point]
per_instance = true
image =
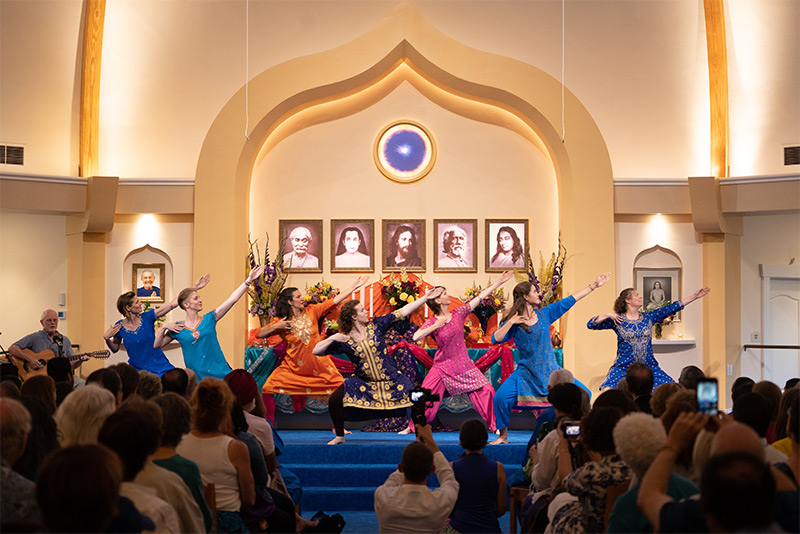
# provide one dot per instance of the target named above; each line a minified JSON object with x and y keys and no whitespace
{"x":343,"y":478}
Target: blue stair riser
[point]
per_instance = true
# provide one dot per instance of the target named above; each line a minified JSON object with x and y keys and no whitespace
{"x":341,"y":499}
{"x":383,"y":454}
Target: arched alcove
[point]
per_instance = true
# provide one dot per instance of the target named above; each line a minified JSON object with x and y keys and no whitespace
{"x":148,"y":255}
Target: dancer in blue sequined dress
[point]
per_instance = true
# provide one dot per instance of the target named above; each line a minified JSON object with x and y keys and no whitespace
{"x":634,"y":331}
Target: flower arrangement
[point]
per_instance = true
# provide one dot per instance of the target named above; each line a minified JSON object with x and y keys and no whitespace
{"x":496,"y":300}
{"x":319,"y":292}
{"x":265,"y":289}
{"x":551,"y":274}
{"x":400,"y":290}
{"x":657,"y":327}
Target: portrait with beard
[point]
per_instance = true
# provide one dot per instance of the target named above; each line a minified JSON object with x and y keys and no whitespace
{"x":455,"y":250}
{"x":403,"y":245}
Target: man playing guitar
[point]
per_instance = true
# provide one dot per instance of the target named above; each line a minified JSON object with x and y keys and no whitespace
{"x":48,"y":338}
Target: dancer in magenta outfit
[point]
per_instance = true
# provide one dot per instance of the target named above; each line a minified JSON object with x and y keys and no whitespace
{"x":452,"y":369}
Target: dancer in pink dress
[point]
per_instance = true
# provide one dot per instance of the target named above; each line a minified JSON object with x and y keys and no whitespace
{"x":452,"y":369}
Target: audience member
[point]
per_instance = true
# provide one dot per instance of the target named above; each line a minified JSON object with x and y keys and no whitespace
{"x":9,"y":390}
{"x":791,"y":467}
{"x":754,"y":410}
{"x":640,"y":384}
{"x":175,"y":380}
{"x":134,"y":436}
{"x":683,"y":401}
{"x":244,"y":387}
{"x":559,"y":376}
{"x":222,"y":460}
{"x":741,"y":385}
{"x":62,"y":390}
{"x":82,"y":413}
{"x":622,"y":385}
{"x":482,"y":493}
{"x":791,"y":383}
{"x":42,"y":388}
{"x":129,"y":377}
{"x":404,"y":503}
{"x":109,"y":379}
{"x":78,"y":491}
{"x":42,"y":440}
{"x":10,"y":373}
{"x":772,"y":393}
{"x":149,"y":385}
{"x":60,"y":370}
{"x":690,"y":376}
{"x":615,"y":398}
{"x":638,"y":437}
{"x":192,"y":383}
{"x":783,"y":441}
{"x":18,"y":506}
{"x":661,"y":395}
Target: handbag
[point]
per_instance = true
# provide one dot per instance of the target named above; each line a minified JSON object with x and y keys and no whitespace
{"x":328,"y":524}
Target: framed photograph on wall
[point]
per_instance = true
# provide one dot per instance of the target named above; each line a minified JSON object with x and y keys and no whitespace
{"x":505,"y":244}
{"x":455,"y":246}
{"x":352,"y":245}
{"x":658,"y":287}
{"x":149,"y":281}
{"x":302,"y":249}
{"x":403,"y":245}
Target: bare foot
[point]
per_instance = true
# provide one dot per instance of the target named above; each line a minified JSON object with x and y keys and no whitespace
{"x":302,"y":524}
{"x":336,"y":441}
{"x":407,"y":430}
{"x":502,"y":438}
{"x":345,"y":431}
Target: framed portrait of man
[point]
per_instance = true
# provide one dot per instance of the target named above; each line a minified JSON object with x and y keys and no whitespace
{"x":403,"y":245}
{"x":455,"y":248}
{"x":302,"y":245}
{"x":505,"y":244}
{"x":148,"y":281}
{"x":352,"y":245}
{"x":658,"y":287}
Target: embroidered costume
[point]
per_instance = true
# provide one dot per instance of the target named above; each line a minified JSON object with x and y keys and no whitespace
{"x":139,"y":345}
{"x":201,"y":351}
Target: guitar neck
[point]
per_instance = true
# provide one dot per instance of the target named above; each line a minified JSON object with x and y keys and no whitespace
{"x":93,"y":354}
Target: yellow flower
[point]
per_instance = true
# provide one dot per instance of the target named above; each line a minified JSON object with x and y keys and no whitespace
{"x":307,"y":298}
{"x":410,"y":299}
{"x":497,"y":302}
{"x":392,"y":301}
{"x":404,"y":296}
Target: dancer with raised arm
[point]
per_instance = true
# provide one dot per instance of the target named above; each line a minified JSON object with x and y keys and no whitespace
{"x":529,"y":327}
{"x":634,"y":331}
{"x":300,"y":372}
{"x":197,"y":334}
{"x":452,"y":369}
{"x":377,"y":388}
{"x":137,"y":331}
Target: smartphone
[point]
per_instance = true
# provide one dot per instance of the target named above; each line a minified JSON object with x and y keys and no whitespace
{"x":572,"y":430}
{"x":416,"y":395}
{"x":707,"y":396}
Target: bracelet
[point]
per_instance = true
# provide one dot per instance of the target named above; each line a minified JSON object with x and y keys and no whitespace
{"x":247,"y":283}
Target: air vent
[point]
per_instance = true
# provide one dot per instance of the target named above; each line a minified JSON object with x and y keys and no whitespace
{"x":791,"y":155}
{"x":12,"y":155}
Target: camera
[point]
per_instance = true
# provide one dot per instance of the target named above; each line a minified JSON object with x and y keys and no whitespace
{"x":421,"y":398}
{"x":572,"y":429}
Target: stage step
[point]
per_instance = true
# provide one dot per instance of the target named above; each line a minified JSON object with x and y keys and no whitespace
{"x":344,"y":477}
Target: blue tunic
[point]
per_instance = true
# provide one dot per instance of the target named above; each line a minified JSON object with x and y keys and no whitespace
{"x":536,"y":358}
{"x":376,"y":383}
{"x":139,"y":345}
{"x":635,"y":343}
{"x":201,"y":351}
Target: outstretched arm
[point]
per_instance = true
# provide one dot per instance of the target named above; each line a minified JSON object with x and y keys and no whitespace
{"x":200,"y":284}
{"x":238,"y":292}
{"x":338,"y":299}
{"x":601,"y":280}
{"x":110,"y":336}
{"x":505,"y":277}
{"x":422,"y":333}
{"x":408,"y":309}
{"x":501,"y":333}
{"x":700,"y":293}
{"x":321,"y":348}
{"x":164,"y":337}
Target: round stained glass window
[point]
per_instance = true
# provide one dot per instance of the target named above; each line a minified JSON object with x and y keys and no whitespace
{"x":405,"y":151}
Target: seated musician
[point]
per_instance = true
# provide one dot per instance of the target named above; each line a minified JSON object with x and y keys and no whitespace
{"x":48,"y":338}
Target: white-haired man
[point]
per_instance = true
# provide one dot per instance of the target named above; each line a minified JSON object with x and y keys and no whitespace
{"x":454,"y":248}
{"x":48,"y":338}
{"x":299,"y":258}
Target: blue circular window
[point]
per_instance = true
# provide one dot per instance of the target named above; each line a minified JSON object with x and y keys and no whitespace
{"x":404,"y":151}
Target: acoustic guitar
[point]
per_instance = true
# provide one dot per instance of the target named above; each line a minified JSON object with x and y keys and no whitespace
{"x":26,"y":370}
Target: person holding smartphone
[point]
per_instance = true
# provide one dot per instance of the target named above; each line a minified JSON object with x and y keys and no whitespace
{"x":634,"y":329}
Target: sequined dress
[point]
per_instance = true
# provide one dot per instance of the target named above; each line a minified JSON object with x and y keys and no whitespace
{"x":635,"y":343}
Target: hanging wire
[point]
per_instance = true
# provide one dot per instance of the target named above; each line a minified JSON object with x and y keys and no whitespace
{"x":563,"y":55}
{"x":247,"y":70}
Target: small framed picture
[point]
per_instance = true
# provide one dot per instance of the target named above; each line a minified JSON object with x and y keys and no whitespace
{"x":148,"y":281}
{"x":505,"y":244}
{"x":302,"y":245}
{"x":403,"y":245}
{"x":352,"y":245}
{"x":455,"y":248}
{"x":658,"y":287}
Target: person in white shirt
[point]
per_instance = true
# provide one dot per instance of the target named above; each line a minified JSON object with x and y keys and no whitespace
{"x":404,"y":503}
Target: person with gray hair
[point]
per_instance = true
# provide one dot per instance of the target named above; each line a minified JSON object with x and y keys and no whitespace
{"x":149,"y":385}
{"x":454,"y":248}
{"x":82,"y":413}
{"x":638,"y":437}
{"x":299,"y":258}
{"x":18,"y":505}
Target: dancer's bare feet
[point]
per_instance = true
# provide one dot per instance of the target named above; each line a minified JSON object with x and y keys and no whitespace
{"x":405,"y":431}
{"x":345,"y":431}
{"x":302,"y":524}
{"x":336,"y":441}
{"x":502,"y":438}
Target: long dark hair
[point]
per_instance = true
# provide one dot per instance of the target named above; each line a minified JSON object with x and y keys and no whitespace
{"x":403,"y":228}
{"x":432,"y":304}
{"x":516,"y":250}
{"x":362,"y":246}
{"x":620,"y":306}
{"x":346,"y":315}
{"x":521,"y":290}
{"x":283,"y":308}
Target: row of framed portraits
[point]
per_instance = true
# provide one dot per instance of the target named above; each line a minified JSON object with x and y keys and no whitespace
{"x":454,"y":244}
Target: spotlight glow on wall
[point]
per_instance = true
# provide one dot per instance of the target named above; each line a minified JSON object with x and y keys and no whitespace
{"x":657,"y":230}
{"x":148,"y":231}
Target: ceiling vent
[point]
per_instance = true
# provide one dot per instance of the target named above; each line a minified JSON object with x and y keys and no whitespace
{"x":791,"y":155}
{"x":12,"y":155}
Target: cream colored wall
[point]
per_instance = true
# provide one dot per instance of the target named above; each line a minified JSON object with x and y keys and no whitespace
{"x":172,"y":238}
{"x":482,"y":171}
{"x":634,"y":237}
{"x":769,"y":240}
{"x":33,"y":272}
